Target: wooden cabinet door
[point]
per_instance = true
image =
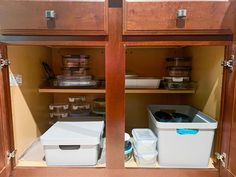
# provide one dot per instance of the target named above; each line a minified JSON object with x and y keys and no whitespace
{"x":5,"y":133}
{"x":53,"y":17}
{"x":228,"y":137}
{"x":154,"y":17}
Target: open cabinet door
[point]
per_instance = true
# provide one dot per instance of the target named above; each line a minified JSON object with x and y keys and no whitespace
{"x":6,"y":162}
{"x":228,"y":137}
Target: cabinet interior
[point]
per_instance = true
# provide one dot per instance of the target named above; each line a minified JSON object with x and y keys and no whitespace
{"x":30,"y":111}
{"x":206,"y":72}
{"x":30,"y":107}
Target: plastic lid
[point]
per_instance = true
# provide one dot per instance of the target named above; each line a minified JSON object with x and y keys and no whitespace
{"x":141,"y":134}
{"x":73,"y":133}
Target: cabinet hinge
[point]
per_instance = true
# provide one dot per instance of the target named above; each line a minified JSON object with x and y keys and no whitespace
{"x":11,"y":155}
{"x":4,"y":62}
{"x":229,"y":64}
{"x":222,"y":158}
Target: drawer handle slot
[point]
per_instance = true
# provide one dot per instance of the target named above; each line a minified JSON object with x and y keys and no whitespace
{"x":187,"y":131}
{"x":69,"y":147}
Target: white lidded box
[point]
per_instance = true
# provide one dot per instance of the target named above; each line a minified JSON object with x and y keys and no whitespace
{"x":144,"y":140}
{"x":147,"y":159}
{"x":142,"y":82}
{"x":183,"y":144}
{"x":72,"y":143}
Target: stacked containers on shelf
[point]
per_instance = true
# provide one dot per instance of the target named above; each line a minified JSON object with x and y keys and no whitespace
{"x":99,"y":106}
{"x":179,"y":73}
{"x":145,"y":143}
{"x":79,"y":106}
{"x":75,"y":65}
{"x":75,"y":72}
{"x":58,"y":111}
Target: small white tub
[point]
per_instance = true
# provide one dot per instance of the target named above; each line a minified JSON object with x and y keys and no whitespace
{"x":144,"y":140}
{"x":145,"y":159}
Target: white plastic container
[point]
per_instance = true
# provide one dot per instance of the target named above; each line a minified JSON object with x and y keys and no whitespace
{"x":142,"y":83}
{"x":72,"y":143}
{"x":144,"y":140}
{"x":183,"y":145}
{"x":145,"y":159}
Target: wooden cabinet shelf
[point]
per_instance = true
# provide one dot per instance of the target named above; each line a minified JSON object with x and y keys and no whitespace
{"x":71,"y":90}
{"x":158,"y":91}
{"x":103,"y":90}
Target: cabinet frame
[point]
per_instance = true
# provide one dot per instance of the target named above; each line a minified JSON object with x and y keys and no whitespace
{"x":115,"y":73}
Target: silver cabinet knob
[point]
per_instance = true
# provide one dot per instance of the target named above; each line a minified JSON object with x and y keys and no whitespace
{"x":181,"y":13}
{"x":50,"y":14}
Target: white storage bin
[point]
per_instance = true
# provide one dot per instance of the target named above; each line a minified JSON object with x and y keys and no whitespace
{"x":145,"y":159}
{"x":186,"y":145}
{"x":144,"y":140}
{"x":72,"y":143}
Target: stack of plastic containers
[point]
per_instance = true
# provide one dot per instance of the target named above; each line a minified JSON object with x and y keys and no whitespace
{"x":179,"y":73}
{"x":79,"y":106}
{"x":58,"y":111}
{"x":145,"y":143}
{"x":75,"y":72}
{"x":76,"y":107}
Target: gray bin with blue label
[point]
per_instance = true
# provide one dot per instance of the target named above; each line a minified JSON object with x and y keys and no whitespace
{"x":183,"y":144}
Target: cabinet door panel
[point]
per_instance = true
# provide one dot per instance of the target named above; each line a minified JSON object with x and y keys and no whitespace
{"x":79,"y":17}
{"x":228,"y":137}
{"x":5,"y":135}
{"x":152,"y":16}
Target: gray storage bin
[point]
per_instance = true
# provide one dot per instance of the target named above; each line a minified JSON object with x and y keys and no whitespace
{"x":183,"y":144}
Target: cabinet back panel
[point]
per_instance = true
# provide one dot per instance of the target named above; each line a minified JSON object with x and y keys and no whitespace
{"x":149,"y":62}
{"x":208,"y":73}
{"x":29,"y":108}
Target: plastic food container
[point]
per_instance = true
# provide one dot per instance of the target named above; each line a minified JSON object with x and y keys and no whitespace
{"x":179,"y":62}
{"x":80,"y":107}
{"x":71,"y":62}
{"x":75,"y":83}
{"x":178,"y":85}
{"x":190,"y":143}
{"x":99,"y":106}
{"x":76,"y":71}
{"x":73,"y":143}
{"x":145,"y":159}
{"x":142,"y":83}
{"x":77,"y":99}
{"x":79,"y":72}
{"x":75,"y":61}
{"x":66,"y":72}
{"x":144,"y":140}
{"x":61,"y":77}
{"x":58,"y":107}
{"x":179,"y":71}
{"x":177,"y":79}
{"x":58,"y":115}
